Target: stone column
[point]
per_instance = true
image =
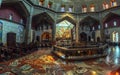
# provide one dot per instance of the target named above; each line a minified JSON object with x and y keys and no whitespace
{"x":77,"y":31}
{"x":54,"y":31}
{"x":28,"y":27}
{"x":101,"y":28}
{"x":1,"y":2}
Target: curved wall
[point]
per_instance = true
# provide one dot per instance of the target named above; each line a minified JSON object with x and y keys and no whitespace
{"x":6,"y":12}
{"x":12,"y":27}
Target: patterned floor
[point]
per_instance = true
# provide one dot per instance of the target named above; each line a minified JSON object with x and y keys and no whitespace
{"x":42,"y":62}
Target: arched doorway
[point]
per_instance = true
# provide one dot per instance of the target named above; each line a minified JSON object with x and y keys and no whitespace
{"x":93,"y":37}
{"x":98,"y":39}
{"x":11,"y":39}
{"x":83,"y":37}
{"x":89,"y":24}
{"x":89,"y":38}
{"x":38,"y":38}
{"x":65,"y":28}
{"x":115,"y":37}
{"x":46,"y":37}
{"x":65,"y":31}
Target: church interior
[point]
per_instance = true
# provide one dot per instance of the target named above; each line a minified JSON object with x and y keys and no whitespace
{"x":59,"y":37}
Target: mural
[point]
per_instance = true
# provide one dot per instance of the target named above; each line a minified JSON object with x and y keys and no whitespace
{"x":63,"y":30}
{"x":1,"y":26}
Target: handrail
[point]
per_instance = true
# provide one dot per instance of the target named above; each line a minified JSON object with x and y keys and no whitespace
{"x":83,"y":48}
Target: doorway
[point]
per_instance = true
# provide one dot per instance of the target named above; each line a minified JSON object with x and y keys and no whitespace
{"x":11,"y":39}
{"x":83,"y":36}
{"x":93,"y":36}
{"x":46,"y":37}
{"x":98,"y":39}
{"x":89,"y":38}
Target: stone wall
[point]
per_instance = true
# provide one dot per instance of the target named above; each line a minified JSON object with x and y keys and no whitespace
{"x":12,"y":27}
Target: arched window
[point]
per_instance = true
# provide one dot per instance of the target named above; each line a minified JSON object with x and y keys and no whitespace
{"x":115,"y":36}
{"x":62,"y":8}
{"x":50,"y":4}
{"x":70,"y":9}
{"x":21,"y":21}
{"x":98,"y":26}
{"x":106,"y":25}
{"x":93,"y":28}
{"x":84,"y":8}
{"x":11,"y":17}
{"x":115,"y":23}
{"x":92,"y":7}
{"x":105,"y":5}
{"x":113,"y":3}
{"x":41,"y":2}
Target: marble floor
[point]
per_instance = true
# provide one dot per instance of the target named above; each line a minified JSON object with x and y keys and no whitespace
{"x":42,"y":62}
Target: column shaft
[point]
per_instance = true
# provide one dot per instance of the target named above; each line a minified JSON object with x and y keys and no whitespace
{"x":77,"y":32}
{"x":53,"y":31}
{"x":28,"y":27}
{"x":101,"y":29}
{"x":1,"y":2}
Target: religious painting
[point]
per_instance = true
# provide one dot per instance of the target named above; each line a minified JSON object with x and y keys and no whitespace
{"x":63,"y":30}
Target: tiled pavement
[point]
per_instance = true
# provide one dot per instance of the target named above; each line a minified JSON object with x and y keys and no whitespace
{"x":91,"y":67}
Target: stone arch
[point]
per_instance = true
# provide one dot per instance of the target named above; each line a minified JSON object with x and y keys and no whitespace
{"x":66,"y":31}
{"x":89,"y":22}
{"x":41,"y":18}
{"x":89,"y":19}
{"x":109,"y":16}
{"x":46,"y":36}
{"x":18,"y":6}
{"x":68,"y":19}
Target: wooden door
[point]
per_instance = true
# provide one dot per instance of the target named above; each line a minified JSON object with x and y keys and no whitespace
{"x":11,"y":39}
